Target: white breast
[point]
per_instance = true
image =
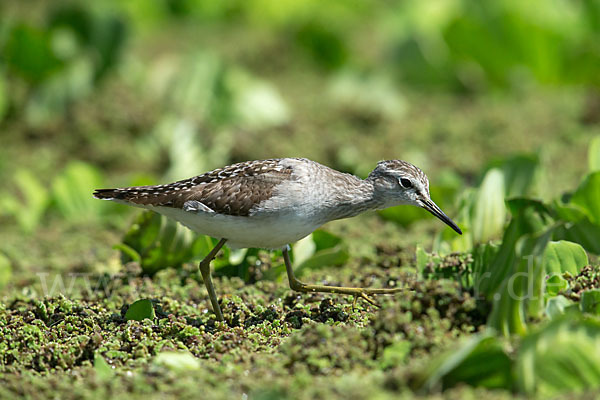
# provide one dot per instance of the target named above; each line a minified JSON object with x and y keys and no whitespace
{"x":267,"y":232}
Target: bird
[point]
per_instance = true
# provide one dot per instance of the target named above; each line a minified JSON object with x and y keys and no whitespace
{"x":273,"y":203}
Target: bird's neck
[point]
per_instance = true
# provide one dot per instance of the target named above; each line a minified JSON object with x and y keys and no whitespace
{"x":354,"y":197}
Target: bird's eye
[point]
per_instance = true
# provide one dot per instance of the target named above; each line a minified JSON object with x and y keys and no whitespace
{"x":406,"y":183}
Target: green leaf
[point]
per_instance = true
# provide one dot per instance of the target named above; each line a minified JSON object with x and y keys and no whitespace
{"x":520,"y":174}
{"x":325,"y":240}
{"x":516,"y":204}
{"x":583,"y":232}
{"x":594,"y":154}
{"x":483,"y":257}
{"x":564,"y":356}
{"x":177,"y":361}
{"x":318,"y":250}
{"x":303,"y":249}
{"x":158,"y":242}
{"x":31,"y":203}
{"x":72,"y":190}
{"x":555,"y":283}
{"x":587,"y":197}
{"x":257,"y":103}
{"x":139,"y":310}
{"x":479,"y":361}
{"x":489,"y":210}
{"x":102,"y":368}
{"x":521,"y":291}
{"x":564,"y":256}
{"x":590,"y":301}
{"x":567,"y":211}
{"x":556,"y":306}
{"x":327,"y":257}
{"x":128,"y":252}
{"x":28,"y":52}
{"x":447,"y":240}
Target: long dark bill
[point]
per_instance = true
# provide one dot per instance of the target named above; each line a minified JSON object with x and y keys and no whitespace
{"x":435,"y":210}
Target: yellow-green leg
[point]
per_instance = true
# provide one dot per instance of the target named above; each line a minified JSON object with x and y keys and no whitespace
{"x":299,"y":286}
{"x":205,"y":271}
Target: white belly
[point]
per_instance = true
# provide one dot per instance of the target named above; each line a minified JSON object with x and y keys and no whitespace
{"x":242,"y":232}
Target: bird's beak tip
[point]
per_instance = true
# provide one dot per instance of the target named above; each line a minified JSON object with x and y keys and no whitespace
{"x":435,"y":210}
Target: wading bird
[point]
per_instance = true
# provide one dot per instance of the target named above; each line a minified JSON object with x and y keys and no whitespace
{"x":272,"y":203}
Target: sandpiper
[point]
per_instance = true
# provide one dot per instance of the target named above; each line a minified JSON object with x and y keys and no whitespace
{"x":273,"y":203}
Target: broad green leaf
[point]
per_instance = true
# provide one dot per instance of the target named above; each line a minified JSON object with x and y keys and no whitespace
{"x":555,"y":307}
{"x":128,"y":252}
{"x":479,"y":361}
{"x":521,"y":294}
{"x":516,"y":204}
{"x":52,"y":96}
{"x":567,"y":211}
{"x":177,"y":361}
{"x":139,"y":310}
{"x":72,"y":192}
{"x":489,"y":211}
{"x":520,"y":173}
{"x":587,"y":197}
{"x":256,"y":103}
{"x":28,"y":53}
{"x":102,"y":368}
{"x":326,"y":249}
{"x":590,"y":301}
{"x":594,"y":154}
{"x":31,"y":203}
{"x":303,"y":250}
{"x":191,"y":89}
{"x":564,"y":256}
{"x":237,"y":256}
{"x":483,"y":257}
{"x":555,"y":283}
{"x":564,"y":356}
{"x":318,"y":250}
{"x":158,"y":242}
{"x":325,"y":240}
{"x":328,"y":257}
{"x":583,"y":232}
{"x":180,"y":137}
{"x":529,"y":220}
{"x":447,"y":241}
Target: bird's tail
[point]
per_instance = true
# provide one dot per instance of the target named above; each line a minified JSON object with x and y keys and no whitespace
{"x":136,"y":195}
{"x":110,"y":194}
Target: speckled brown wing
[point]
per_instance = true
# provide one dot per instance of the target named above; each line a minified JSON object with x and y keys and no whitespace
{"x":232,"y":190}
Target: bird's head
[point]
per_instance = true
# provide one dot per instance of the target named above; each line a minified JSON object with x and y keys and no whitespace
{"x":399,"y":182}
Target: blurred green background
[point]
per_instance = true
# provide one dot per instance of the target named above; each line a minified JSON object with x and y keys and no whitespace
{"x":117,"y":93}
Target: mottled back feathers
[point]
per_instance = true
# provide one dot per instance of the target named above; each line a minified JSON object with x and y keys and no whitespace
{"x":232,"y":190}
